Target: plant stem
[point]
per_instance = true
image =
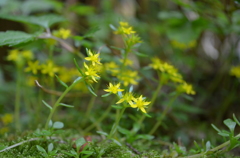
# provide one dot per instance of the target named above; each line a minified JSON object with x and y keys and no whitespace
{"x":159,"y":122}
{"x":115,"y":125}
{"x":91,"y":103}
{"x":59,"y":100}
{"x":17,"y":99}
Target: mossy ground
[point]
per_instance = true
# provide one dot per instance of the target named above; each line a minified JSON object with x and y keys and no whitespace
{"x":101,"y":148}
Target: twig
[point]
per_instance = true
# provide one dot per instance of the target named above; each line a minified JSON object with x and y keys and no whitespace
{"x":32,"y":139}
{"x":15,"y":145}
{"x":133,"y":149}
{"x":57,"y":93}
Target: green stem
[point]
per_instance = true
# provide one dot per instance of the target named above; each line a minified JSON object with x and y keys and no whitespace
{"x":114,"y":127}
{"x":105,"y":114}
{"x":91,"y":103}
{"x":159,"y":122}
{"x":39,"y":110}
{"x":17,"y":100}
{"x":59,"y":100}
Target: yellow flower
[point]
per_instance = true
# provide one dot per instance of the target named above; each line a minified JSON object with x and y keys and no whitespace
{"x":27,"y":54}
{"x":33,"y":67}
{"x":91,"y":72}
{"x":63,"y":33}
{"x":49,"y":68}
{"x":123,"y":24}
{"x":128,"y":30}
{"x":7,"y":118}
{"x":235,"y":71}
{"x":156,"y":63}
{"x":128,"y":77}
{"x":182,"y":45}
{"x":186,"y":88}
{"x":94,"y":58}
{"x":132,"y":40}
{"x":114,"y":88}
{"x":124,"y":29}
{"x":14,"y":55}
{"x":127,"y":62}
{"x":127,"y":97}
{"x":112,"y":67}
{"x":139,"y":103}
{"x":50,"y":42}
{"x":4,"y":130}
{"x":176,"y":77}
{"x":31,"y":80}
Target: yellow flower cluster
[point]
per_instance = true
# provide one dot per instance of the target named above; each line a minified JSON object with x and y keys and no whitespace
{"x":62,"y":33}
{"x":127,"y":77}
{"x":171,"y":73}
{"x":20,"y":57}
{"x":235,"y":71}
{"x":183,"y":46}
{"x":131,"y":38}
{"x":48,"y":68}
{"x":92,"y":70}
{"x":124,"y":29}
{"x":128,"y":97}
{"x":6,"y":119}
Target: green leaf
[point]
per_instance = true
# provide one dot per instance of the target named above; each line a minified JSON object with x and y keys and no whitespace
{"x":91,"y":31}
{"x":86,"y":152}
{"x":12,"y":38}
{"x":50,"y":147}
{"x":140,"y":54}
{"x":105,"y":95}
{"x":208,"y":145}
{"x":102,"y":133}
{"x":61,"y":82}
{"x":224,"y":133}
{"x":32,"y":6}
{"x":2,"y":146}
{"x":230,"y":124}
{"x":41,"y":149}
{"x":117,"y":106}
{"x":66,"y":105}
{"x":121,"y":49}
{"x":45,"y":21}
{"x":91,"y":90}
{"x":73,"y":153}
{"x":79,"y":69}
{"x":124,"y":131}
{"x":236,"y":120}
{"x":47,"y":105}
{"x":50,"y":123}
{"x":233,"y":143}
{"x":58,"y":125}
{"x":144,"y":136}
{"x":77,"y":79}
{"x":80,"y":142}
{"x":117,"y":142}
{"x":218,"y":130}
{"x":113,"y":27}
{"x":147,"y":115}
{"x":42,"y":133}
